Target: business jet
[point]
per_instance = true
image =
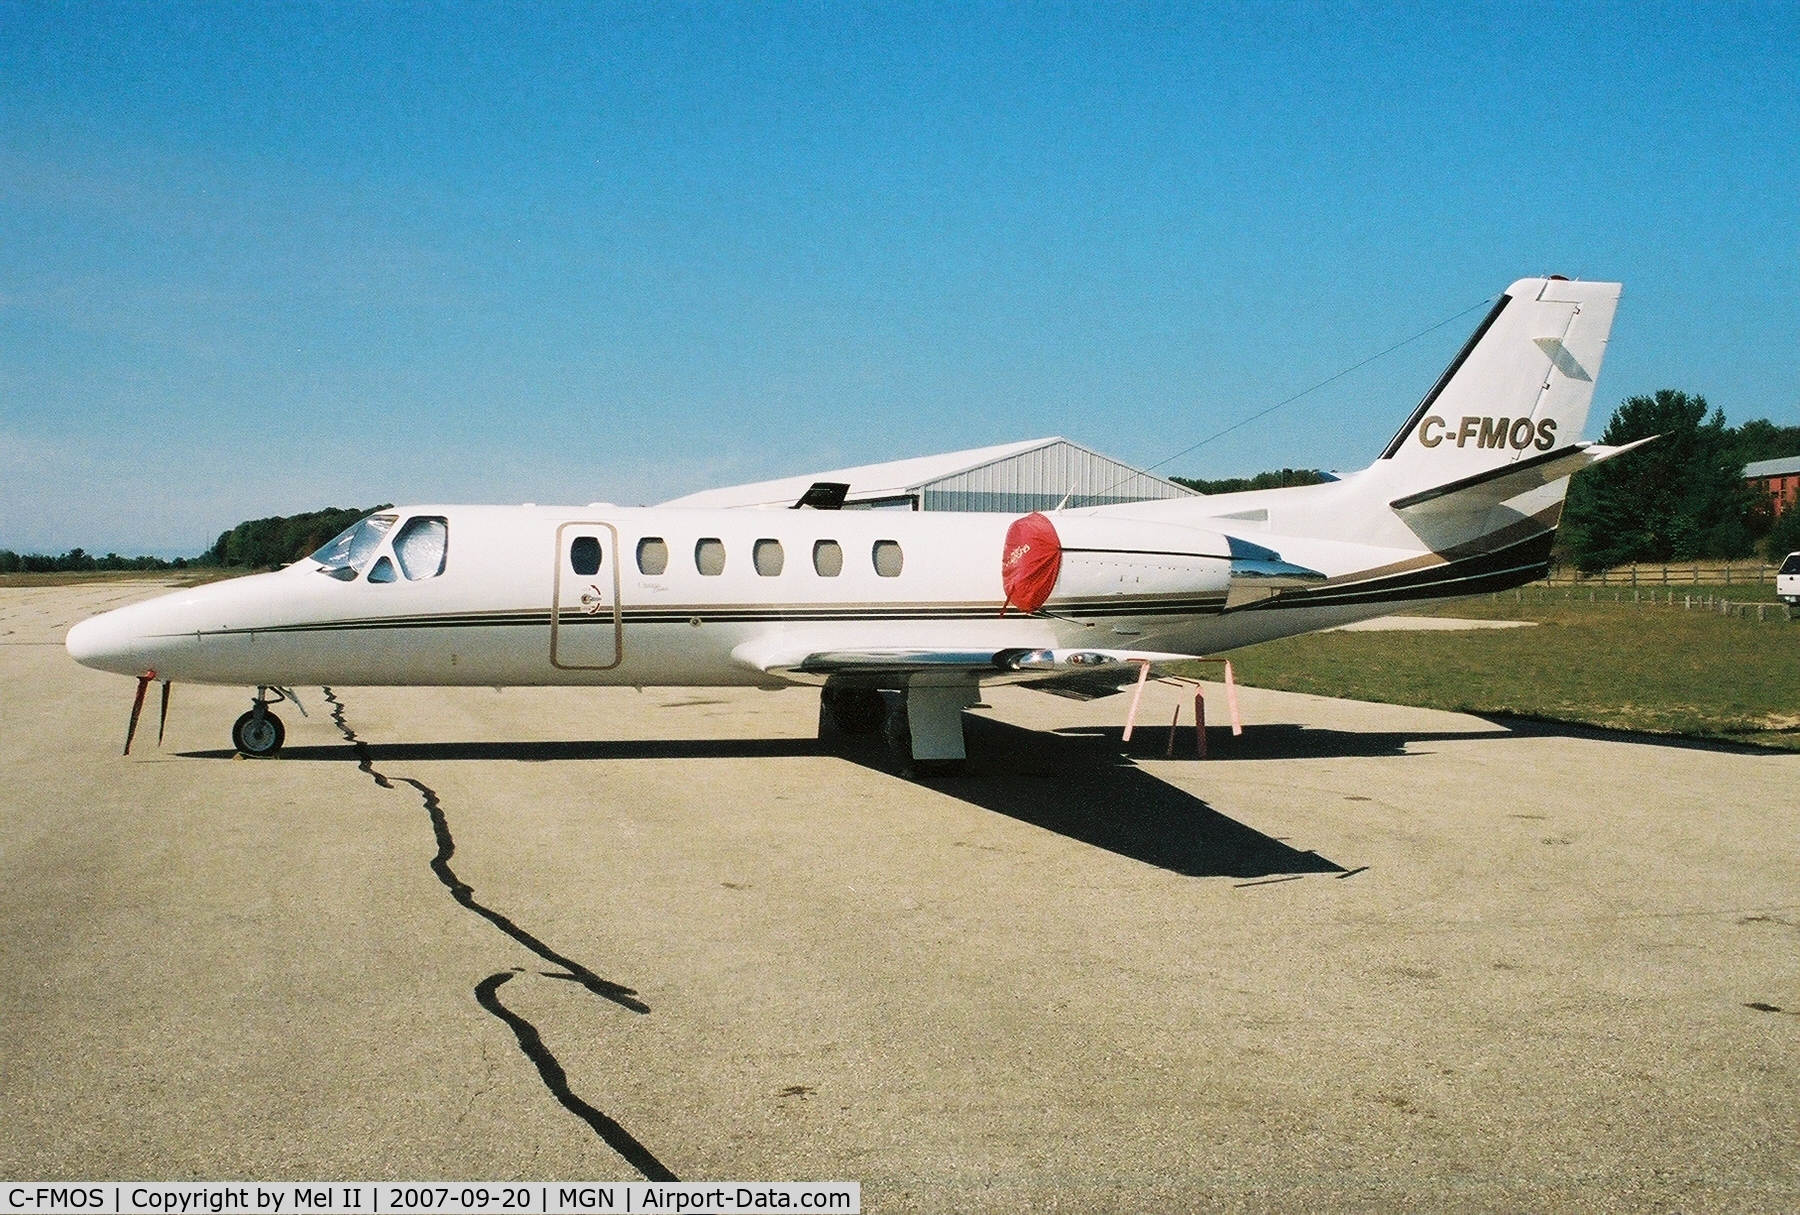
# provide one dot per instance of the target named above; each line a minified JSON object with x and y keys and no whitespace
{"x":900,"y":617}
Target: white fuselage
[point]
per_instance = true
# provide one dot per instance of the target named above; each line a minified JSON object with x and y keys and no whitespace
{"x":1135,"y":582}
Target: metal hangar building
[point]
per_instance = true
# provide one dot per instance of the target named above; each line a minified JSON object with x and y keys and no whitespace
{"x":1012,"y":478}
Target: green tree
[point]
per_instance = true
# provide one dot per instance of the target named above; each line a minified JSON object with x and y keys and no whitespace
{"x":78,"y":560}
{"x":282,"y":539}
{"x":1761,"y":439}
{"x":1681,"y":497}
{"x":1784,"y":537}
{"x":1280,"y":478}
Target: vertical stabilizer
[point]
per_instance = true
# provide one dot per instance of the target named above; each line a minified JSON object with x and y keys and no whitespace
{"x":1518,"y":390}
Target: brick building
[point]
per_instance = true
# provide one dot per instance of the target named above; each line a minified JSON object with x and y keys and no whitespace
{"x":1779,"y":479}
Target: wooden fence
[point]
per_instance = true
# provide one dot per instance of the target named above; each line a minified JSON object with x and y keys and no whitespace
{"x":1686,"y":600}
{"x":1671,"y":574}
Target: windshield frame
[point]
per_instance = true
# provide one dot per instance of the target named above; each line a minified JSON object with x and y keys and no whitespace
{"x":349,"y":552}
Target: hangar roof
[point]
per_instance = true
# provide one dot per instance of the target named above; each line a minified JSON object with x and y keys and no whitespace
{"x":1032,"y":475}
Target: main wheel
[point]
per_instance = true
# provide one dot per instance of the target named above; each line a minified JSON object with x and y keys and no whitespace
{"x":258,"y":738}
{"x":924,"y":769}
{"x":855,"y":710}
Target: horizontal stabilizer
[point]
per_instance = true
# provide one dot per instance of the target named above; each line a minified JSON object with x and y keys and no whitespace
{"x":1489,"y":489}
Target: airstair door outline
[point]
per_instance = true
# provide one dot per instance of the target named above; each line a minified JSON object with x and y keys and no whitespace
{"x":586,"y":631}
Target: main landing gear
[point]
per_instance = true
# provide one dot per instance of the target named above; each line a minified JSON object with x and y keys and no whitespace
{"x":921,"y":723}
{"x":259,"y":734}
{"x":854,"y":710}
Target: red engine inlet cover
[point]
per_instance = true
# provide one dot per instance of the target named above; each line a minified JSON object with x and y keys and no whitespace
{"x":1031,"y":562}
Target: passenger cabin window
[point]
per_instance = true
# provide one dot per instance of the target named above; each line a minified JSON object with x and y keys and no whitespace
{"x":422,"y":546}
{"x":653,"y":555}
{"x":828,"y":558}
{"x":584,"y":555}
{"x":709,"y":557}
{"x":382,"y":571}
{"x":344,"y":556}
{"x":768,"y":558}
{"x":888,"y":558}
{"x":1791,"y":565}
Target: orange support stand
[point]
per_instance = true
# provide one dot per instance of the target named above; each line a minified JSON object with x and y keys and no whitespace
{"x":137,"y":707}
{"x":1136,"y":697}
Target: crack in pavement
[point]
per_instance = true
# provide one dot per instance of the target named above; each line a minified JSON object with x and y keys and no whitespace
{"x":557,"y":1081}
{"x":464,"y":893}
{"x":530,"y":1041}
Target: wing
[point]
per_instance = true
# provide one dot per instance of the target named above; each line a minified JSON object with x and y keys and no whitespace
{"x":1083,"y":671}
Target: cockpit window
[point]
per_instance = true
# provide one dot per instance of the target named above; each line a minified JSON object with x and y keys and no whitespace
{"x":1791,"y":565}
{"x":351,"y":549}
{"x":382,"y":571}
{"x":421,"y":547}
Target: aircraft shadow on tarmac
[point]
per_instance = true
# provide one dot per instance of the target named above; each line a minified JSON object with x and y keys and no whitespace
{"x":1081,"y":784}
{"x":1278,"y":740}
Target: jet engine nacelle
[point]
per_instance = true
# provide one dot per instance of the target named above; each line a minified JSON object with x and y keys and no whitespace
{"x":1096,"y":557}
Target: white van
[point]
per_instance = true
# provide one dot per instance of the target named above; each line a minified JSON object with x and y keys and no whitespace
{"x":1787,"y":580}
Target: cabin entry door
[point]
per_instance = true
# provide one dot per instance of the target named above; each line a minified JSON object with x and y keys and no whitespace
{"x":586,"y":632}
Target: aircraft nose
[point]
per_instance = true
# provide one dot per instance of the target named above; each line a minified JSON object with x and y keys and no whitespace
{"x":103,"y":642}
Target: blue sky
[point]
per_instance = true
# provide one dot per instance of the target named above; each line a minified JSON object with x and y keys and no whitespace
{"x":267,"y":258}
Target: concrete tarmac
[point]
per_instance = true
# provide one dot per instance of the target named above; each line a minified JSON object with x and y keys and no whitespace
{"x":1364,"y":958}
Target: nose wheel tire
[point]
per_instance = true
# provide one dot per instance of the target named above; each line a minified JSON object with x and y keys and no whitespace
{"x":258,"y":735}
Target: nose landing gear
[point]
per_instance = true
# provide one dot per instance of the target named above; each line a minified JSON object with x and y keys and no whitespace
{"x":259,"y":734}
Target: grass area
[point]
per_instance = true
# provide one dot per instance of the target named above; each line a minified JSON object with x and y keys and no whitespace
{"x":1615,"y":664}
